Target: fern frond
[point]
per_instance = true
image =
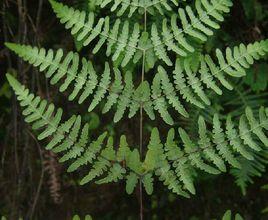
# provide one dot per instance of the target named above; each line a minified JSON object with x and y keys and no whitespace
{"x":170,"y":93}
{"x":212,"y":148}
{"x":250,"y":169}
{"x":147,"y":51}
{"x":82,"y":77}
{"x":159,"y":102}
{"x":83,"y":29}
{"x":221,"y":143}
{"x":199,"y":26}
{"x":158,"y":47}
{"x":235,"y":142}
{"x":124,"y":100}
{"x":252,"y":162}
{"x":176,"y":171}
{"x":140,"y":98}
{"x":131,"y":6}
{"x":191,"y":85}
{"x":243,"y":98}
{"x":206,"y":144}
{"x":127,"y":45}
{"x":156,"y":160}
{"x":71,"y":139}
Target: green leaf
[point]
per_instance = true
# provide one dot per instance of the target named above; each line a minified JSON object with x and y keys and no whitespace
{"x":147,"y":181}
{"x":131,"y":182}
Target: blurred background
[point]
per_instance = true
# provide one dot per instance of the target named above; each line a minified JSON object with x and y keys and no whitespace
{"x":34,"y":185}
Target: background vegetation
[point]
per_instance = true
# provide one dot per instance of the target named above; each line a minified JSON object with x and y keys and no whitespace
{"x":32,"y":182}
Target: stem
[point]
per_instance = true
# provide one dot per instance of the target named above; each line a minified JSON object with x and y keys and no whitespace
{"x":145,"y":19}
{"x":141,"y":201}
{"x":141,"y":119}
{"x":141,"y":139}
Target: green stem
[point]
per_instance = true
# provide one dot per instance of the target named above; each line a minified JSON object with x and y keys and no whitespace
{"x":141,"y":119}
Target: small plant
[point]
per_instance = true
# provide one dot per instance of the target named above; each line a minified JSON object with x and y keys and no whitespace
{"x":179,"y":74}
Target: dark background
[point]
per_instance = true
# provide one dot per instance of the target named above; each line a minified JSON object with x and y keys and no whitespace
{"x":34,"y":185}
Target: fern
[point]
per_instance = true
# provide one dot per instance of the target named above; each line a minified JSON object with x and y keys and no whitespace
{"x":198,"y":27}
{"x":236,"y":142}
{"x":245,"y":98}
{"x":85,"y":80}
{"x":125,"y":44}
{"x":253,"y":163}
{"x":190,"y":85}
{"x":171,"y":163}
{"x":132,"y":6}
{"x":250,"y":169}
{"x":65,"y":137}
{"x":82,"y":27}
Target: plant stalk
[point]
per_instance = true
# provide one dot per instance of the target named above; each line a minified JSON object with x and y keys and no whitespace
{"x":141,"y":120}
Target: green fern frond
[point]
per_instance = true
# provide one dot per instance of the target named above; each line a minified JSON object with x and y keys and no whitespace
{"x":84,"y":80}
{"x":250,"y":169}
{"x":170,"y":93}
{"x":131,"y":6}
{"x":127,"y":43}
{"x":221,"y":143}
{"x":140,"y":98}
{"x":124,"y":101}
{"x":187,"y":159}
{"x":158,"y":47}
{"x":243,"y":98}
{"x":206,"y":144}
{"x":252,"y":162}
{"x":191,"y":85}
{"x":71,"y":140}
{"x":147,"y":51}
{"x":200,"y":26}
{"x":159,"y":101}
{"x":83,"y":29}
{"x":156,"y":160}
{"x":211,"y":148}
{"x":174,"y":165}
